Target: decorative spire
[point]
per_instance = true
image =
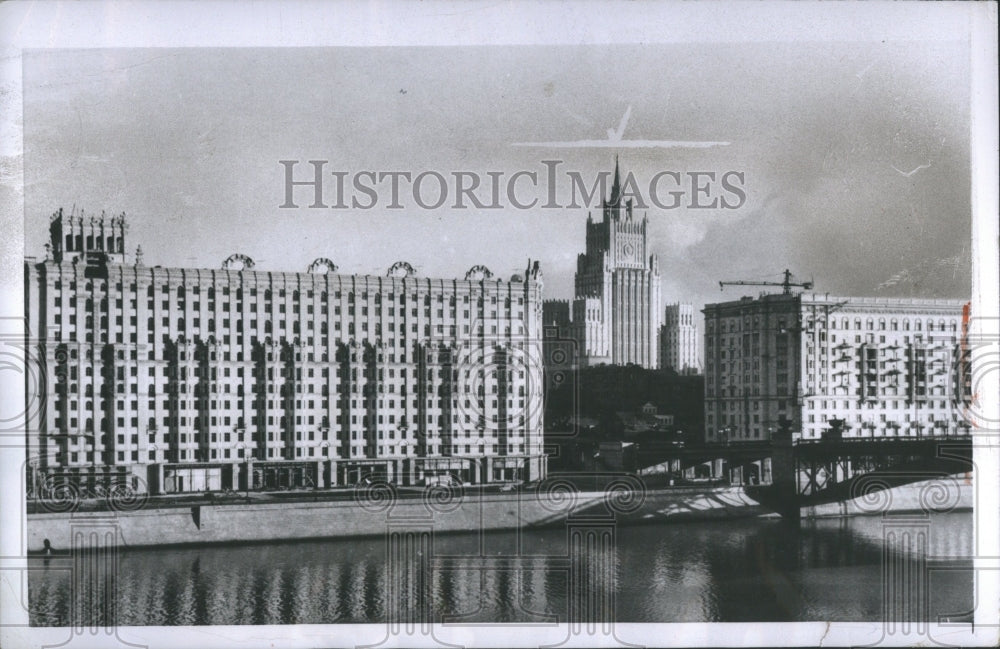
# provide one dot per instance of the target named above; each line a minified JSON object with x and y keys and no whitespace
{"x":138,"y":255}
{"x":615,"y":186}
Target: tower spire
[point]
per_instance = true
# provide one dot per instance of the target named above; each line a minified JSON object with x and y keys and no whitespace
{"x":616,"y":186}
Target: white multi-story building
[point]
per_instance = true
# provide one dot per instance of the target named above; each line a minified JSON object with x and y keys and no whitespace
{"x":679,"y":340}
{"x":615,"y":315}
{"x":184,"y":379}
{"x":886,"y":366}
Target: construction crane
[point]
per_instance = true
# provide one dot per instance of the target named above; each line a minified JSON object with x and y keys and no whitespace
{"x":787,"y":284}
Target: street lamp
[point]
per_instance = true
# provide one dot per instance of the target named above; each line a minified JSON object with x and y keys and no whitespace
{"x":157,"y":470}
{"x":241,"y":446}
{"x":34,"y":488}
{"x":325,"y":463}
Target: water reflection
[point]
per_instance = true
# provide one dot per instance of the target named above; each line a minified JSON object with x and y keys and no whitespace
{"x":734,"y":571}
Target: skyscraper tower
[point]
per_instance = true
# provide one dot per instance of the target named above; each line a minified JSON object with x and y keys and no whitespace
{"x":616,"y":313}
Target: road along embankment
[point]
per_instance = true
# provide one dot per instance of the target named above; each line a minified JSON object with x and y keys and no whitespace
{"x":374,"y":512}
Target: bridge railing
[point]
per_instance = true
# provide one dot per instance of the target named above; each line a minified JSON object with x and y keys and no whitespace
{"x":884,"y":439}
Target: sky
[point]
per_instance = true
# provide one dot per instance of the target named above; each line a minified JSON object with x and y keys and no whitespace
{"x":855,"y":155}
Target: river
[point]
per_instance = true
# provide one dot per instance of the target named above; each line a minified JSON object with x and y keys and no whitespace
{"x":724,"y":571}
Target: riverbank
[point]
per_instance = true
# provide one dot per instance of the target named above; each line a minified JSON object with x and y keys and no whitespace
{"x":373,"y":512}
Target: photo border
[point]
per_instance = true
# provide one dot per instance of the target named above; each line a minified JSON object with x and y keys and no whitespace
{"x":43,"y":25}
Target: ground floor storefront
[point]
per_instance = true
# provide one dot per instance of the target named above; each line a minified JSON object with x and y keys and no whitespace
{"x":438,"y":470}
{"x":81,"y":483}
{"x":208,"y":477}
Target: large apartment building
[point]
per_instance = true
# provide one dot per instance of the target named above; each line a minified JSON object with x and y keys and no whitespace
{"x":886,"y":366}
{"x":199,"y":379}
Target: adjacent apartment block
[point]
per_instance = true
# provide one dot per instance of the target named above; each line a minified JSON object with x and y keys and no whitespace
{"x":199,"y":379}
{"x":887,"y":366}
{"x":615,"y":314}
{"x":679,"y":341}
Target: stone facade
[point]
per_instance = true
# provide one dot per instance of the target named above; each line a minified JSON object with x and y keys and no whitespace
{"x":679,"y":341}
{"x":887,"y":366}
{"x":191,"y":379}
{"x":615,"y":315}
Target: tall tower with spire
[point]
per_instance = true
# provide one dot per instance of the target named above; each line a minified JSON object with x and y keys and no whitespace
{"x":616,"y":310}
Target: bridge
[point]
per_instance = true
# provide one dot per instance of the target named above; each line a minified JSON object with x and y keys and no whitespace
{"x":787,"y":474}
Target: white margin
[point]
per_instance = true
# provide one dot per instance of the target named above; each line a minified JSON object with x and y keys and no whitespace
{"x":92,"y":24}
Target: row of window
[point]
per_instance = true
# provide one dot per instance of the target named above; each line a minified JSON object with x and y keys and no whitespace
{"x":70,"y":350}
{"x":286,"y":390}
{"x":243,"y":438}
{"x":738,"y":406}
{"x":112,"y":243}
{"x":227,"y":337}
{"x":172,"y":372}
{"x":226,"y":310}
{"x":869,"y":324}
{"x":170,"y":421}
{"x":295,"y":294}
{"x":76,"y":457}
